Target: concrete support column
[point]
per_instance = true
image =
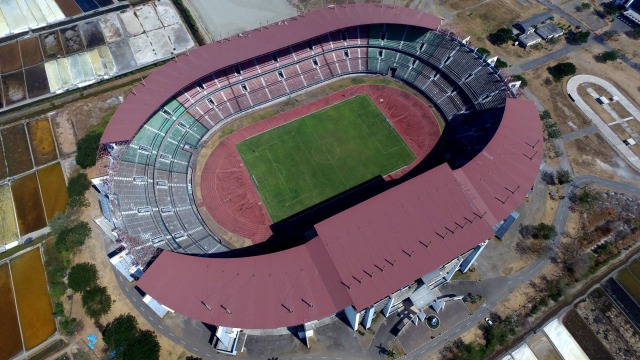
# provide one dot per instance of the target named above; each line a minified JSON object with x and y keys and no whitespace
{"x":471,"y":258}
{"x":353,"y":316}
{"x":387,"y":308}
{"x":368,"y":317}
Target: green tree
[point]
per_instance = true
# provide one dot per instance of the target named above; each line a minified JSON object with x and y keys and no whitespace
{"x":543,"y":231}
{"x":96,"y":302}
{"x":144,"y":346}
{"x":611,"y":9}
{"x":608,"y":56}
{"x":82,"y":276}
{"x":483,"y":51}
{"x":78,"y":202}
{"x":609,"y":34}
{"x":87,"y":149}
{"x":564,"y":176}
{"x":633,"y":34}
{"x":523,"y":82}
{"x":501,"y":36}
{"x":560,"y":70}
{"x":60,"y":222}
{"x":578,"y":37}
{"x":78,"y":185}
{"x":545,"y":115}
{"x":120,"y":331}
{"x":70,"y":239}
{"x":585,"y":6}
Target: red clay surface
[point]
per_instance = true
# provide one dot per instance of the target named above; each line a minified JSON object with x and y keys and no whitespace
{"x":228,"y":194}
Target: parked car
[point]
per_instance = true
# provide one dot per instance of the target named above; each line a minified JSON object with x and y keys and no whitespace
{"x":28,"y":240}
{"x":489,"y":322}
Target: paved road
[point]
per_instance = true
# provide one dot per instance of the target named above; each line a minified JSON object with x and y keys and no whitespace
{"x":580,"y":133}
{"x":605,"y":130}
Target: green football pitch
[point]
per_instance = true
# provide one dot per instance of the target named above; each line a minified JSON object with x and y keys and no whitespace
{"x":308,"y":160}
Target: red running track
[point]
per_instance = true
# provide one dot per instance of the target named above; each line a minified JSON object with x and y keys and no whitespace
{"x":228,"y":194}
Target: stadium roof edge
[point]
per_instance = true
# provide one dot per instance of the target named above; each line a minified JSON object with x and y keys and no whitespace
{"x":422,"y":223}
{"x":163,"y":83}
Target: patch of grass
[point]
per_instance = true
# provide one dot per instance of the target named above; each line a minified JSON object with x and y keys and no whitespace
{"x":629,"y":283}
{"x":311,"y":159}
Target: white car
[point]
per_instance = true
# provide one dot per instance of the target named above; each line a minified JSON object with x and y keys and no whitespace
{"x":489,"y":321}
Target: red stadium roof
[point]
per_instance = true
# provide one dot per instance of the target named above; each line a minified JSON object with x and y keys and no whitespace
{"x":163,"y":83}
{"x":366,"y":252}
{"x":500,"y":177}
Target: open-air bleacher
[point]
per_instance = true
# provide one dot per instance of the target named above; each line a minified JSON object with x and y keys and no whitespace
{"x":163,"y":212}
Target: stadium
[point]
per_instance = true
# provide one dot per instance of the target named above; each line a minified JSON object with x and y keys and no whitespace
{"x":414,"y":206}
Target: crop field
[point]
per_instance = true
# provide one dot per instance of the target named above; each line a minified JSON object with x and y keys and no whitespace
{"x":32,"y":296}
{"x":635,"y":268}
{"x":630,"y":283}
{"x":8,"y":227}
{"x":42,"y":142}
{"x":54,"y":189}
{"x":28,"y":204}
{"x":10,"y":341}
{"x":14,"y":139}
{"x":311,"y":159}
{"x":587,"y":340}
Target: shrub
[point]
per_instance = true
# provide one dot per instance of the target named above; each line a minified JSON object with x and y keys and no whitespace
{"x":501,"y":37}
{"x":483,"y":51}
{"x":523,"y":82}
{"x":543,"y":231}
{"x":560,"y":70}
{"x":608,"y":56}
{"x":578,"y":37}
{"x":96,"y":302}
{"x":585,"y":6}
{"x":87,"y":149}
{"x":548,"y":177}
{"x":501,"y":64}
{"x":564,"y":176}
{"x":82,"y":276}
{"x":611,"y":9}
{"x":609,"y":34}
{"x":633,"y":34}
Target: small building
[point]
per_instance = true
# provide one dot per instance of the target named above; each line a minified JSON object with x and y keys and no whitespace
{"x":529,"y":25}
{"x":549,"y":31}
{"x":529,"y":39}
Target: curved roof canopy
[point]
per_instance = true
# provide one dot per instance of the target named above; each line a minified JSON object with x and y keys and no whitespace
{"x":186,"y":69}
{"x":368,"y":251}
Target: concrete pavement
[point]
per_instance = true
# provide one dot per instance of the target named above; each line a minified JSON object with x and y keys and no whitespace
{"x":609,"y":135}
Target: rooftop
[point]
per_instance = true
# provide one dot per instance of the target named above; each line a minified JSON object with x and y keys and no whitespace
{"x":549,"y":30}
{"x":529,"y":23}
{"x":167,"y":80}
{"x":366,"y":252}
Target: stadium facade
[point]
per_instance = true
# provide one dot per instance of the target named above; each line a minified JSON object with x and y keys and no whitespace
{"x":363,"y":259}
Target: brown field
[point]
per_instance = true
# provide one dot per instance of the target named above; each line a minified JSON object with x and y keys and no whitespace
{"x":629,"y":282}
{"x":9,"y":57}
{"x":54,"y":189}
{"x":635,"y":268}
{"x":620,"y":110}
{"x":477,"y":18}
{"x":28,"y":203}
{"x":10,"y":341}
{"x":634,"y":125}
{"x":14,"y":139}
{"x":32,"y":296}
{"x":8,"y":227}
{"x":30,"y":51}
{"x":587,"y":340}
{"x":42,"y":143}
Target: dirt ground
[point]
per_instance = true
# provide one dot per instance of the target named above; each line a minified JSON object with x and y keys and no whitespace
{"x":555,"y":99}
{"x":94,"y":251}
{"x":479,"y":18}
{"x":76,"y":119}
{"x":592,"y":155}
